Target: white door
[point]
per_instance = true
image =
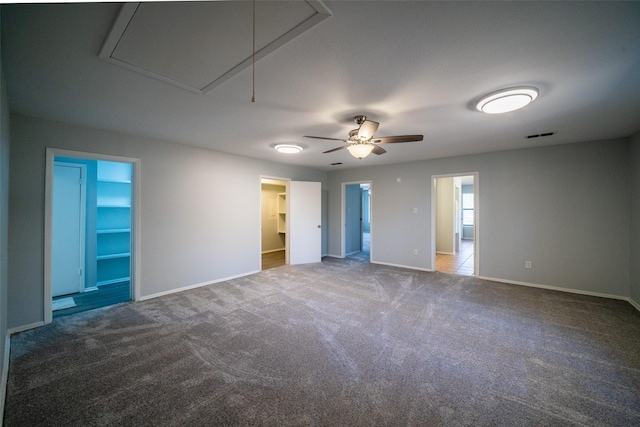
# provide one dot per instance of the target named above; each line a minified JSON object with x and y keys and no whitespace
{"x":305,"y":244}
{"x":68,"y":230}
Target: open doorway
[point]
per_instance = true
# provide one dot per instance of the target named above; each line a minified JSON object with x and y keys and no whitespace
{"x":273,"y":197}
{"x":356,"y":242}
{"x":454,"y":225}
{"x":89,"y":232}
{"x":291,"y":216}
{"x":91,"y":214}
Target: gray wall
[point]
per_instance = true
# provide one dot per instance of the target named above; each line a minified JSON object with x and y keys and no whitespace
{"x":4,"y":224}
{"x":635,"y":219}
{"x":200,"y":210}
{"x":565,"y":208}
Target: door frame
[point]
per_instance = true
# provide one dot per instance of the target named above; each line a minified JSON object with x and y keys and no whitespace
{"x":83,"y":218}
{"x":286,"y":182}
{"x":476,"y":218}
{"x":135,"y":281}
{"x":343,"y":207}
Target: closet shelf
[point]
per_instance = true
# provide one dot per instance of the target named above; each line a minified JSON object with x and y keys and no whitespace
{"x":114,"y":181}
{"x":114,"y":230}
{"x":112,"y":281}
{"x":113,"y":256}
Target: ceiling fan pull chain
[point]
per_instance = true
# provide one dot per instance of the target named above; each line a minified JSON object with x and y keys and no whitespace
{"x":253,"y":68}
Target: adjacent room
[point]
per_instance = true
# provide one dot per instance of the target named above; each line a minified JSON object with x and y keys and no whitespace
{"x":320,"y":213}
{"x":90,"y":234}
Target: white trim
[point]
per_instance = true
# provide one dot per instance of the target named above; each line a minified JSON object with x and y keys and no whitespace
{"x":410,"y":267}
{"x":5,"y":375}
{"x":556,"y":288}
{"x":24,"y":328}
{"x":48,"y":235}
{"x":633,"y":303}
{"x":273,"y":250}
{"x":334,"y":256}
{"x":197,"y":285}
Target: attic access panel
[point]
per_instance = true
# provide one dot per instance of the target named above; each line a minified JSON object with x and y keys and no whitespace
{"x":199,"y":45}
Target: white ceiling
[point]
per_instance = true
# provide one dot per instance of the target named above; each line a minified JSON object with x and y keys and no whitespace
{"x":415,"y":67}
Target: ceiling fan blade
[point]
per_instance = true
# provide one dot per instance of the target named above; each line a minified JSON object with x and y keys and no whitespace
{"x":334,"y":149}
{"x":323,"y":137}
{"x":367,"y":129}
{"x":398,"y":138}
{"x":378,"y":150}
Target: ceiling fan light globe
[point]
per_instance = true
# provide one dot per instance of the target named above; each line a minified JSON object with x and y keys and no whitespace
{"x":360,"y":151}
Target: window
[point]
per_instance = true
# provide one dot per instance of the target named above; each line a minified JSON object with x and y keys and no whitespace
{"x":467,"y":209}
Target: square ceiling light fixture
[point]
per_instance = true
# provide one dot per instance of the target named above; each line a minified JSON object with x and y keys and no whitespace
{"x":199,"y":45}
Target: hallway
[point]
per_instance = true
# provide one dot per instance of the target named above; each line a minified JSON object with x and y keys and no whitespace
{"x":460,"y":263}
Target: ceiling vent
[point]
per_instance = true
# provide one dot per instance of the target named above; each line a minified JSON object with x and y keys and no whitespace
{"x":540,"y":135}
{"x":199,"y":45}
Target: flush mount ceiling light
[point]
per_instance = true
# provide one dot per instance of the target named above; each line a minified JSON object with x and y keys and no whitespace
{"x":507,"y":100}
{"x":288,"y":148}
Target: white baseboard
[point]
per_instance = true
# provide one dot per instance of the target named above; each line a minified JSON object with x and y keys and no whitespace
{"x":334,"y":256}
{"x":273,"y":250}
{"x":410,"y":267}
{"x":556,"y":288}
{"x":24,"y":328}
{"x":635,"y":304}
{"x":197,"y":285}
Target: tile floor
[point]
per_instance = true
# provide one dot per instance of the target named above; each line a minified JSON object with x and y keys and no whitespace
{"x":460,"y":263}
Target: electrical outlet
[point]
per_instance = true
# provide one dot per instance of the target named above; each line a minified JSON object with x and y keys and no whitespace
{"x":415,"y":210}
{"x":527,"y":264}
{"x":415,"y":252}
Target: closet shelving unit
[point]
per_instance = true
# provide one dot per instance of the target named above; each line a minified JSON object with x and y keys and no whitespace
{"x":282,"y":213}
{"x":113,"y":225}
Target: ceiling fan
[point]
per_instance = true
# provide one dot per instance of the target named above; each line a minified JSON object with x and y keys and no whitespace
{"x":361,"y":142}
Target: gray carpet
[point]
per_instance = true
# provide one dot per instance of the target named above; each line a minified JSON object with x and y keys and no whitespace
{"x":341,"y":343}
